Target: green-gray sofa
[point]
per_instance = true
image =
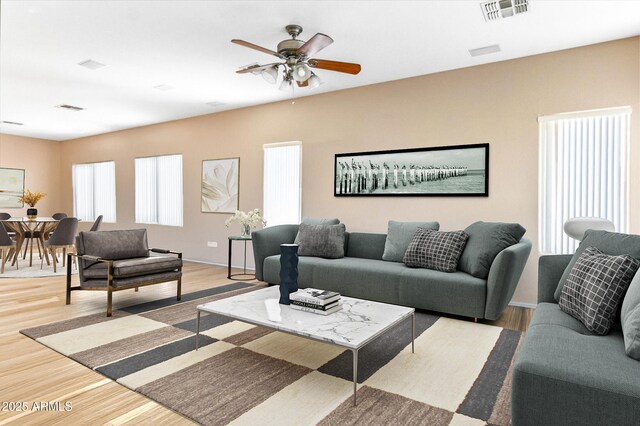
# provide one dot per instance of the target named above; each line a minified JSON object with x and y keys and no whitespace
{"x":362,"y":273}
{"x":565,"y":375}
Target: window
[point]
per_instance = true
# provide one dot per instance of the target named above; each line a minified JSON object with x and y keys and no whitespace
{"x":94,"y":191}
{"x":583,"y":172}
{"x":282,"y":183}
{"x":159,"y":190}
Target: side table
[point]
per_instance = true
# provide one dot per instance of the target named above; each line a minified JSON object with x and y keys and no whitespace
{"x":244,"y":274}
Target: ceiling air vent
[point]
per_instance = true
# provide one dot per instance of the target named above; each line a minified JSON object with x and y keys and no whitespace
{"x":69,"y":107}
{"x":91,"y":64}
{"x":163,"y":87}
{"x":494,"y":48}
{"x":216,"y":104}
{"x":498,"y":9}
{"x":15,"y":123}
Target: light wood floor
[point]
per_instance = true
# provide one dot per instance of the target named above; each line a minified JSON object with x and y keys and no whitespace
{"x":31,"y":372}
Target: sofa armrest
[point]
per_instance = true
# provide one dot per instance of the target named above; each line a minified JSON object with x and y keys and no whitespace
{"x":266,"y":242}
{"x":550,"y":270}
{"x":165,"y":251}
{"x":504,"y":274}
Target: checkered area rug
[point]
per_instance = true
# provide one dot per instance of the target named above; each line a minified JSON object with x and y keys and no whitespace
{"x":460,"y":373}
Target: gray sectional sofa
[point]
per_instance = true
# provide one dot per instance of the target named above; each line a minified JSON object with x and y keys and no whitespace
{"x":565,"y":375}
{"x":363,"y":274}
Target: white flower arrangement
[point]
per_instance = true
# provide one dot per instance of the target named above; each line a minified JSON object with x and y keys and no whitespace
{"x":252,"y":219}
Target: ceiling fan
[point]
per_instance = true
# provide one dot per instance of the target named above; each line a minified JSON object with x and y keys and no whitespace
{"x":296,"y":60}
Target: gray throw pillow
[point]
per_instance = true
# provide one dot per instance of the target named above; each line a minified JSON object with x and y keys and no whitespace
{"x":399,"y":235}
{"x":321,"y":240}
{"x":307,"y":220}
{"x":435,"y":250}
{"x":613,"y":243}
{"x":486,"y":240}
{"x":595,"y":287}
{"x":630,"y":319}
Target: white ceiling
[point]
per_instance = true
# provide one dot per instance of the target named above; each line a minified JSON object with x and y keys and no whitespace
{"x":186,"y":44}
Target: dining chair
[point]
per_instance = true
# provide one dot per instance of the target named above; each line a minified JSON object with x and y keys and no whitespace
{"x":5,"y":216}
{"x":63,"y":237}
{"x":59,"y":216}
{"x":96,"y":224}
{"x":7,"y":245}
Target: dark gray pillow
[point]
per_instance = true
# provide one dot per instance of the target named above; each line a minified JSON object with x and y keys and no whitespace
{"x":307,"y":220}
{"x":114,"y":245}
{"x":613,"y":243}
{"x":435,"y":250}
{"x":399,"y":235}
{"x":486,"y":240}
{"x":630,"y":319}
{"x":321,"y":240}
{"x":595,"y":287}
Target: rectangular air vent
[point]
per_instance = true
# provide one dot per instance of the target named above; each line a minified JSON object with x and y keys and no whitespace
{"x":494,"y":48}
{"x":498,"y":9}
{"x":163,"y":87}
{"x":91,"y":64}
{"x":69,"y":107}
{"x":216,"y":104}
{"x":15,"y":123}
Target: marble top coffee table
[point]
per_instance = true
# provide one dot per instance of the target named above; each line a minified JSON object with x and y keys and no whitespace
{"x":358,"y":323}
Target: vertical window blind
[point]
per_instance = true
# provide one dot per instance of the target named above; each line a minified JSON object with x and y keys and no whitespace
{"x":94,"y":191}
{"x":159,"y":190}
{"x":282,"y":183}
{"x":583,"y":172}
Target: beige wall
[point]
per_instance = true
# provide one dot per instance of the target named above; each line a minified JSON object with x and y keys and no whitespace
{"x":41,"y":160}
{"x":497,"y":103}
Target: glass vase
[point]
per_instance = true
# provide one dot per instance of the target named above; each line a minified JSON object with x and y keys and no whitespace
{"x":246,"y":230}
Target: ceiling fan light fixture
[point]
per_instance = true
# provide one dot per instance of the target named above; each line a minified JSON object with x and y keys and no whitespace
{"x":301,"y":72}
{"x":286,"y":85}
{"x":314,"y":81}
{"x":270,"y":74}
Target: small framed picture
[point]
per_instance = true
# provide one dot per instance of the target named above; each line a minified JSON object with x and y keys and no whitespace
{"x":220,"y":185}
{"x":11,"y":188}
{"x":460,"y":170}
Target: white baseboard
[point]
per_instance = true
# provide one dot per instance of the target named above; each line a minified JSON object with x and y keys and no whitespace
{"x":523,"y":305}
{"x":217,"y":264}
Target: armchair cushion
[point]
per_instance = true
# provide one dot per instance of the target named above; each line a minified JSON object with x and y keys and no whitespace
{"x":114,"y":245}
{"x":123,"y":282}
{"x":134,"y":267}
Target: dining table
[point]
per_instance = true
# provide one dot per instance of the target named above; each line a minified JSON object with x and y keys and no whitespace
{"x":30,"y":230}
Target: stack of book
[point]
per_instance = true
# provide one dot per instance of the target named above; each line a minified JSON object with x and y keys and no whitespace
{"x":323,"y":302}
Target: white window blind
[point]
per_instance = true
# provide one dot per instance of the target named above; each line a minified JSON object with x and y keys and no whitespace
{"x":94,"y":191}
{"x":583,"y":172}
{"x":159,"y":190}
{"x":282,"y":183}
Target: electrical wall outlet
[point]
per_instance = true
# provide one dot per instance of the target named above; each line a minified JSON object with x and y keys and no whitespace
{"x":212,"y":244}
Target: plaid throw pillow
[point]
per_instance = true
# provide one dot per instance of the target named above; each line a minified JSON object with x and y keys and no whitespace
{"x":595,"y":287}
{"x":435,"y":250}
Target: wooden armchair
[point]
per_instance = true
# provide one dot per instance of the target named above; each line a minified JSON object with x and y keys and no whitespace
{"x":120,"y":260}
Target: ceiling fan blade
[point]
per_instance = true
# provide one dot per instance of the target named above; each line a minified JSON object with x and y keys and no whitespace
{"x":254,"y":68}
{"x":256,"y":47}
{"x":303,"y":83}
{"x":315,"y":44}
{"x":324,"y":64}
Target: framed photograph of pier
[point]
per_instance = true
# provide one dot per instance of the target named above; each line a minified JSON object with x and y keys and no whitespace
{"x":459,"y":170}
{"x":220,"y":185}
{"x":11,"y":188}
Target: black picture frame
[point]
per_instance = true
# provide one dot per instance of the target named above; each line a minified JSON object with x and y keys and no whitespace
{"x":439,"y":171}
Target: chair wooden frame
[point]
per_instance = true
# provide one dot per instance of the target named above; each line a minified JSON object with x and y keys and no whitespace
{"x":109,"y":288}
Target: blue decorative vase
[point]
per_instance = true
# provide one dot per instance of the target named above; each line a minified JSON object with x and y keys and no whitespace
{"x":288,"y":271}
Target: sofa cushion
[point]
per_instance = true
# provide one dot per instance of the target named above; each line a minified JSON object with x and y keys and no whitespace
{"x":399,"y":235}
{"x":365,"y":245}
{"x":630,"y":318}
{"x":486,"y":240}
{"x":113,"y":245}
{"x":307,"y":220}
{"x":595,"y":287}
{"x":435,"y":250}
{"x":455,"y":293}
{"x":321,"y":240}
{"x":565,"y":376}
{"x":271,"y":269}
{"x":133,"y":267}
{"x":612,"y":243}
